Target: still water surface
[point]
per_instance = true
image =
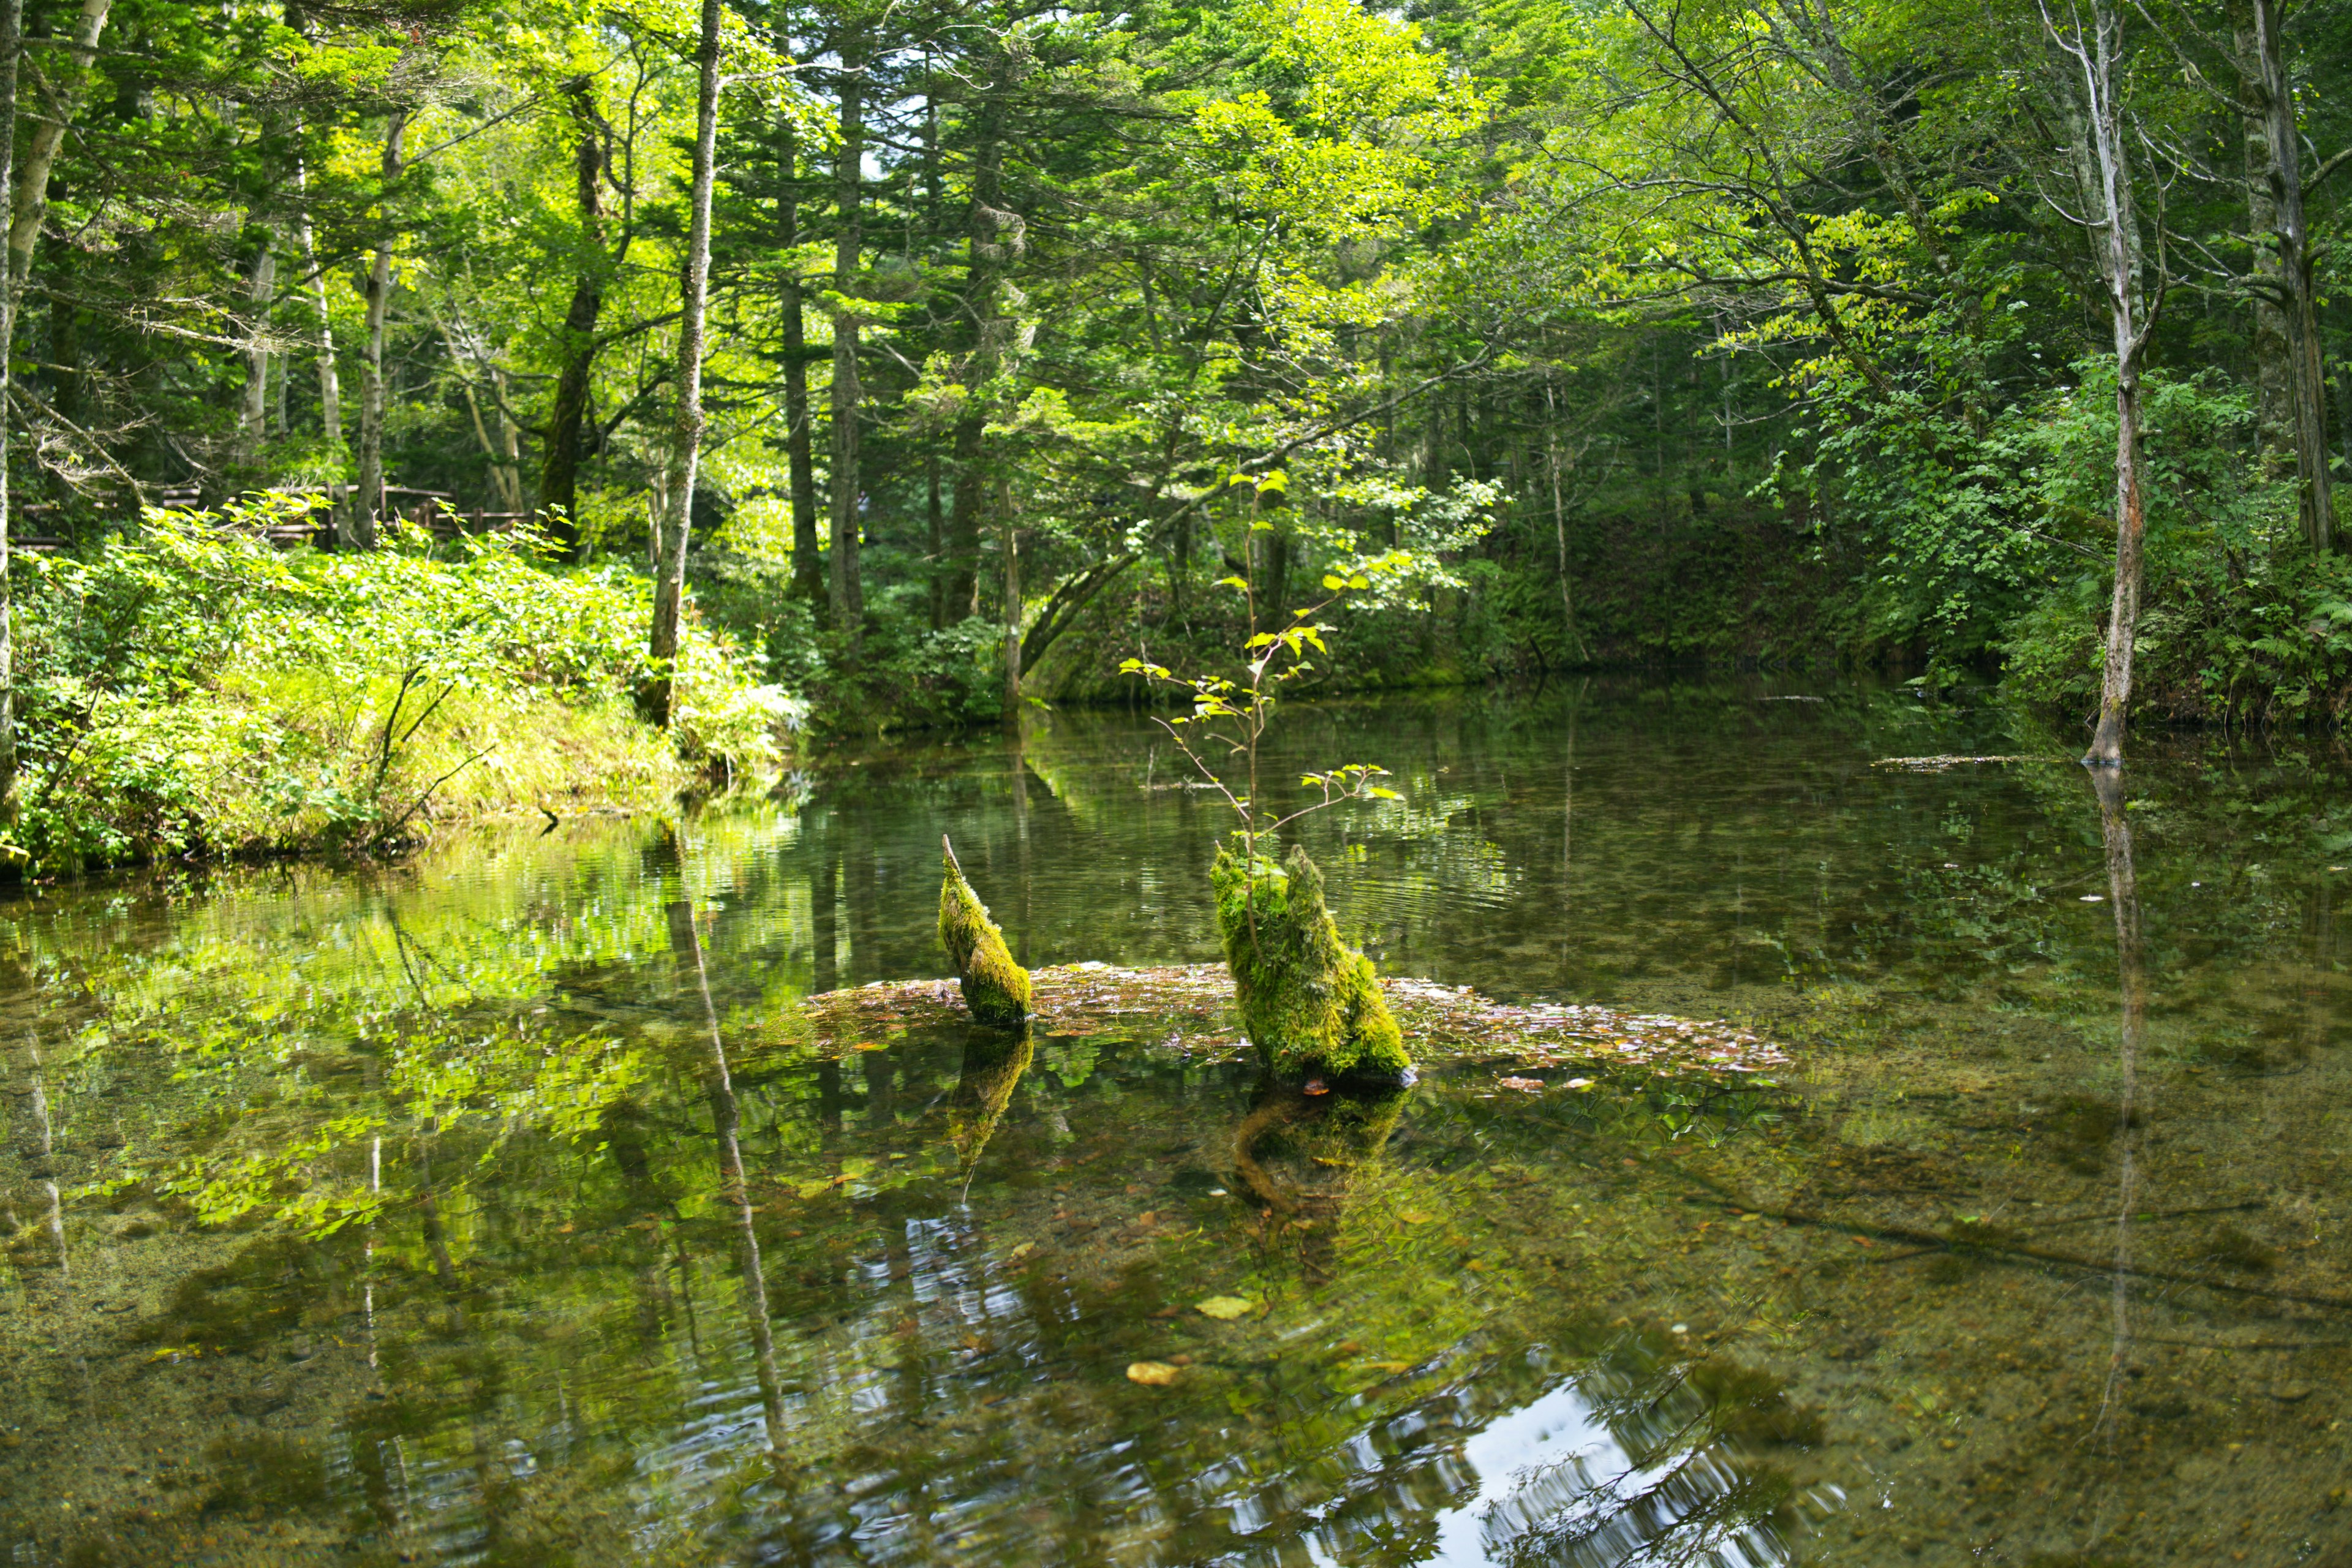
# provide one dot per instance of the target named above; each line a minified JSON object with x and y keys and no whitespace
{"x":504,"y":1207}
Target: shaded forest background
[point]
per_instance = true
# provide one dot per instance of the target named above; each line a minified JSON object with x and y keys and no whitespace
{"x":1771,"y":330}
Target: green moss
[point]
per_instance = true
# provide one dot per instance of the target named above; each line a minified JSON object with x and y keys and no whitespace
{"x":1309,"y":1002}
{"x":995,"y":988}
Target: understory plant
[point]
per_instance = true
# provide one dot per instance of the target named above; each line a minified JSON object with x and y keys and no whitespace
{"x":1310,"y":1003}
{"x":187,"y":687}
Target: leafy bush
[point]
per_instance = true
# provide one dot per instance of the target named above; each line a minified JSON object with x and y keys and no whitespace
{"x":189,"y":688}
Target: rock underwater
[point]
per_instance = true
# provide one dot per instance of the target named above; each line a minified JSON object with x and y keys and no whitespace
{"x":995,"y":988}
{"x":1309,"y":1004}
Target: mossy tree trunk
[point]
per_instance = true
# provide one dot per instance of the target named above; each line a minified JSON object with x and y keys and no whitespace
{"x":1309,"y":1004}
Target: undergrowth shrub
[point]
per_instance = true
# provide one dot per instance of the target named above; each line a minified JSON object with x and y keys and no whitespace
{"x":189,"y":688}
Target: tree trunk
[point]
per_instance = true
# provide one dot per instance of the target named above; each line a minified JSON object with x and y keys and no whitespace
{"x":2102,"y":162}
{"x":1010,"y":611}
{"x":367,"y":506}
{"x":685,"y":440}
{"x":2274,"y":405}
{"x":848,"y":585}
{"x":2306,"y":380}
{"x":992,"y":238}
{"x":808,"y":564}
{"x":12,"y":28}
{"x":330,"y":390}
{"x":29,"y":196}
{"x":939,"y":545}
{"x":558,"y":468}
{"x":261,"y":289}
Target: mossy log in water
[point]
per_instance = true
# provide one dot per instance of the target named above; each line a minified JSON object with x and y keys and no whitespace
{"x":1308,"y":1003}
{"x":995,"y":988}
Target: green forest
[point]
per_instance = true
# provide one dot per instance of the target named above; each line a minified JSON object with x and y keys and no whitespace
{"x":416,"y":408}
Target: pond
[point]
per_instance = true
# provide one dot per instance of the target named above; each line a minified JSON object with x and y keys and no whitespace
{"x":508,"y":1206}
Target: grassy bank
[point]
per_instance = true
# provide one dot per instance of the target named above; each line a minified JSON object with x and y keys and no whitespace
{"x":187,"y":689}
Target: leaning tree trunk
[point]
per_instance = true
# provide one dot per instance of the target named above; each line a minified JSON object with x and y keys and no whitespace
{"x":367,"y":507}
{"x":686,"y":441}
{"x":12,"y":28}
{"x":559,"y":467}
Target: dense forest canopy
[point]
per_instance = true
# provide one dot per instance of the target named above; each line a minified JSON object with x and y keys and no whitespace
{"x":927,"y":358}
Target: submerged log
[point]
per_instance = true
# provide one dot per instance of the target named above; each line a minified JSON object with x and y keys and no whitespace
{"x":1310,"y":1004}
{"x":995,"y":988}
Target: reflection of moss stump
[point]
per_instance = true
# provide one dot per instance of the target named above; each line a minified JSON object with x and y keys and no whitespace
{"x":1310,"y":1004}
{"x":995,"y":988}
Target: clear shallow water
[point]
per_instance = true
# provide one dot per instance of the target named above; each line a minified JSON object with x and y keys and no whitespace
{"x":416,"y":1213}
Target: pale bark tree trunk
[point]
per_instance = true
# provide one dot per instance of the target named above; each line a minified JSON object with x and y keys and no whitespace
{"x":330,"y":388}
{"x":808,"y":564}
{"x":848,"y":584}
{"x":559,"y":468}
{"x":262,"y":291}
{"x":367,"y":506}
{"x":12,"y":28}
{"x":686,"y":441}
{"x":2102,"y":157}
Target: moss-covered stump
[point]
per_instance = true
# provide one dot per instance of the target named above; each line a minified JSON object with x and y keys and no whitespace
{"x":1308,"y":1003}
{"x":995,"y":988}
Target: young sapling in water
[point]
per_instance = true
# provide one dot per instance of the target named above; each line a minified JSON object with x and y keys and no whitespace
{"x":1309,"y":1002}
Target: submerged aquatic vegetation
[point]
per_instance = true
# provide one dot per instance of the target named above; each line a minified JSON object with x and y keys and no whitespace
{"x":1308,"y":1003}
{"x":995,"y":988}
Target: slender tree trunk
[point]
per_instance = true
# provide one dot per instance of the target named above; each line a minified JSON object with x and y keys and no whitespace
{"x":2306,"y":378}
{"x":848,"y":582}
{"x":1010,"y":610}
{"x":367,"y":506}
{"x":261,"y":289}
{"x":685,"y":440}
{"x":12,"y":31}
{"x":939,"y":545}
{"x":331,"y":389}
{"x":994,"y":237}
{"x":808,"y":564}
{"x":558,"y":468}
{"x":2103,"y":162}
{"x":2274,"y":405}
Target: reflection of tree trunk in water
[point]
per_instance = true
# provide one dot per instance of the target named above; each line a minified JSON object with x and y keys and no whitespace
{"x":826,"y":938}
{"x":1021,"y":832}
{"x":2131,"y":962}
{"x":727,"y":1124}
{"x":1568,"y":827}
{"x":1338,"y":1133}
{"x":47,"y":1146}
{"x":436,"y":1234}
{"x":858,"y":885}
{"x":994,"y":1061}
